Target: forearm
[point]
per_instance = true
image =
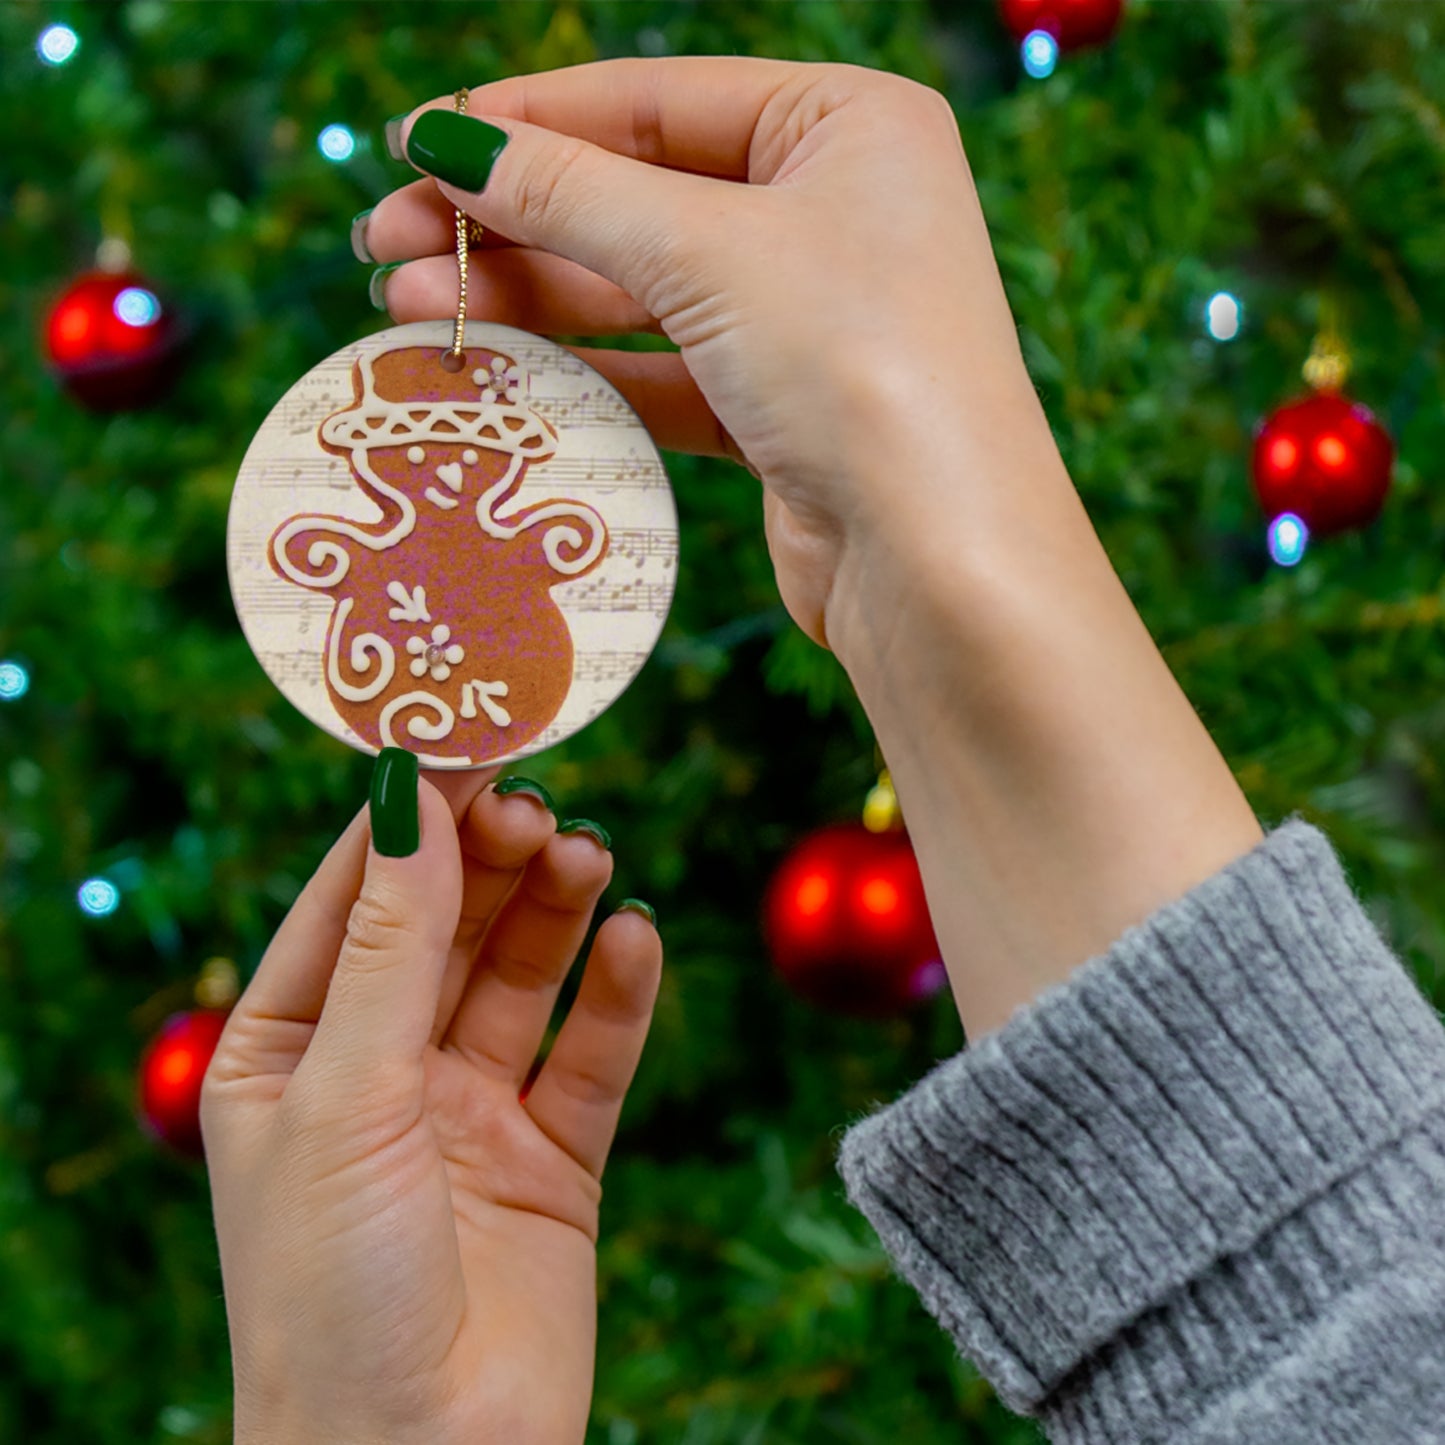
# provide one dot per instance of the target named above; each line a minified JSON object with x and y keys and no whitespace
{"x":1057,"y":784}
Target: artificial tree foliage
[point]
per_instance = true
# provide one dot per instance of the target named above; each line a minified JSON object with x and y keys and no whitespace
{"x":1291,"y":154}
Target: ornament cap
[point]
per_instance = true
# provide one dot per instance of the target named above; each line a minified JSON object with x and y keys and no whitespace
{"x":1328,"y":366}
{"x":219,"y":984}
{"x":881,"y":813}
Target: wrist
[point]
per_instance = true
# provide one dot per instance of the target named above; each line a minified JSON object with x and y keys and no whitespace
{"x":1057,"y":784}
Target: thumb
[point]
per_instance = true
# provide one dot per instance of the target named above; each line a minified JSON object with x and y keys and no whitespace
{"x":382,"y":999}
{"x":628,"y":221}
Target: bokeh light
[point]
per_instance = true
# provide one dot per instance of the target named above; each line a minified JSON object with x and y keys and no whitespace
{"x":98,"y":897}
{"x":14,"y":681}
{"x":1223,"y":316}
{"x":137,"y":307}
{"x":336,"y":143}
{"x":1040,"y":52}
{"x":1288,"y":538}
{"x":57,"y":44}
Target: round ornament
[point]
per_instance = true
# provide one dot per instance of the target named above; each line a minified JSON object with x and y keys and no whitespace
{"x":847,"y":923}
{"x":172,"y":1070}
{"x":1073,"y":23}
{"x":1325,"y":459}
{"x":111,"y":340}
{"x":470,"y":561}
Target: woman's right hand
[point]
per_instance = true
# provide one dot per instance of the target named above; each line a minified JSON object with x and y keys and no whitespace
{"x":808,"y":235}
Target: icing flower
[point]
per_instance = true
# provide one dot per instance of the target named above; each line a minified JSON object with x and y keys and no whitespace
{"x":434,"y":654}
{"x":502,"y":383}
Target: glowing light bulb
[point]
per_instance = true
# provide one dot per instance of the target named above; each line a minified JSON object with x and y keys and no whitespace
{"x":137,"y":307}
{"x":336,"y":143}
{"x":1040,"y":53}
{"x":57,"y":44}
{"x":1288,"y":537}
{"x":98,"y":897}
{"x":14,"y":681}
{"x":1223,"y":316}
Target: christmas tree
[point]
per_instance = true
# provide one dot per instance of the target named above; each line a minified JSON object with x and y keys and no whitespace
{"x":1212,"y":161}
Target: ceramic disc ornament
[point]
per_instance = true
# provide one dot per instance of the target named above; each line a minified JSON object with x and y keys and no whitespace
{"x":471,"y":564}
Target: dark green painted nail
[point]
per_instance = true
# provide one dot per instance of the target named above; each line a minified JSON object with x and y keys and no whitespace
{"x":525,"y":785}
{"x":358,"y":236}
{"x":395,"y":821}
{"x":636,"y":905}
{"x":455,"y":148}
{"x":393,"y":136}
{"x":586,"y":825}
{"x":376,"y":289}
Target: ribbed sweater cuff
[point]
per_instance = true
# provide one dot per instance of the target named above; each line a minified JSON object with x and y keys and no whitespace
{"x":1144,"y":1164}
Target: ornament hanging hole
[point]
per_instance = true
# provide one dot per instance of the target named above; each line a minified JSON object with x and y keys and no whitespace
{"x":453,"y":360}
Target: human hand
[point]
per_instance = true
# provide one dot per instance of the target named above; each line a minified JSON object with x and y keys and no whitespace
{"x":408,"y":1247}
{"x":834,"y":316}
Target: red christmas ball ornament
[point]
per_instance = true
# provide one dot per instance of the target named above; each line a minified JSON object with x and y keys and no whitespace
{"x":1073,"y":23}
{"x":171,"y":1071}
{"x":847,"y":923}
{"x":112,"y":341}
{"x":1326,"y":459}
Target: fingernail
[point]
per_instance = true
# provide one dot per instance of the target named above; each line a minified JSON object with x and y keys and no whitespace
{"x":455,"y":148}
{"x":376,"y":288}
{"x":359,"y":248}
{"x":532,"y":789}
{"x":393,"y":136}
{"x":395,"y":820}
{"x":636,"y":905}
{"x":586,"y":825}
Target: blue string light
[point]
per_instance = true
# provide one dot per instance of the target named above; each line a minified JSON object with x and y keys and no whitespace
{"x":1040,"y":53}
{"x":14,"y":681}
{"x":336,"y":143}
{"x":1223,"y":316}
{"x":1288,"y":538}
{"x":98,"y":897}
{"x":57,"y":44}
{"x":137,"y":307}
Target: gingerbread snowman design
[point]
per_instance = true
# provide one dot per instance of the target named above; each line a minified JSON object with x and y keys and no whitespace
{"x":444,"y":631}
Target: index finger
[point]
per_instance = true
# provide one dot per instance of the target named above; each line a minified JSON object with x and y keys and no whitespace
{"x":695,"y":113}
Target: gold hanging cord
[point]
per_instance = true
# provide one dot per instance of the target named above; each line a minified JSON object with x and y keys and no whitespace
{"x":469,"y":233}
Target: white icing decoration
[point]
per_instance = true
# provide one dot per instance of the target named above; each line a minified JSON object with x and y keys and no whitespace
{"x":410,"y":608}
{"x":475,"y":692}
{"x":361,"y":645}
{"x":432,"y":761}
{"x":373,"y":422}
{"x":415,"y":455}
{"x":435,"y":654}
{"x":469,"y":457}
{"x":509,"y":428}
{"x":491,"y":518}
{"x":417,"y":727}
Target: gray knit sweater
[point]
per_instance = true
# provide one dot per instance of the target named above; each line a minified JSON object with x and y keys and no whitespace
{"x":1196,"y":1192}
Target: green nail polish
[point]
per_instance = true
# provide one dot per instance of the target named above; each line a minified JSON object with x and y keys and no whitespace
{"x":525,"y":785}
{"x":359,"y":247}
{"x":392,"y":131}
{"x":376,"y":288}
{"x":395,"y":820}
{"x":636,"y":905}
{"x":455,"y":148}
{"x":586,"y":825}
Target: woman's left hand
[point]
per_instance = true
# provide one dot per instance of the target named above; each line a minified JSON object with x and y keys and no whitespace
{"x":407,"y":1235}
